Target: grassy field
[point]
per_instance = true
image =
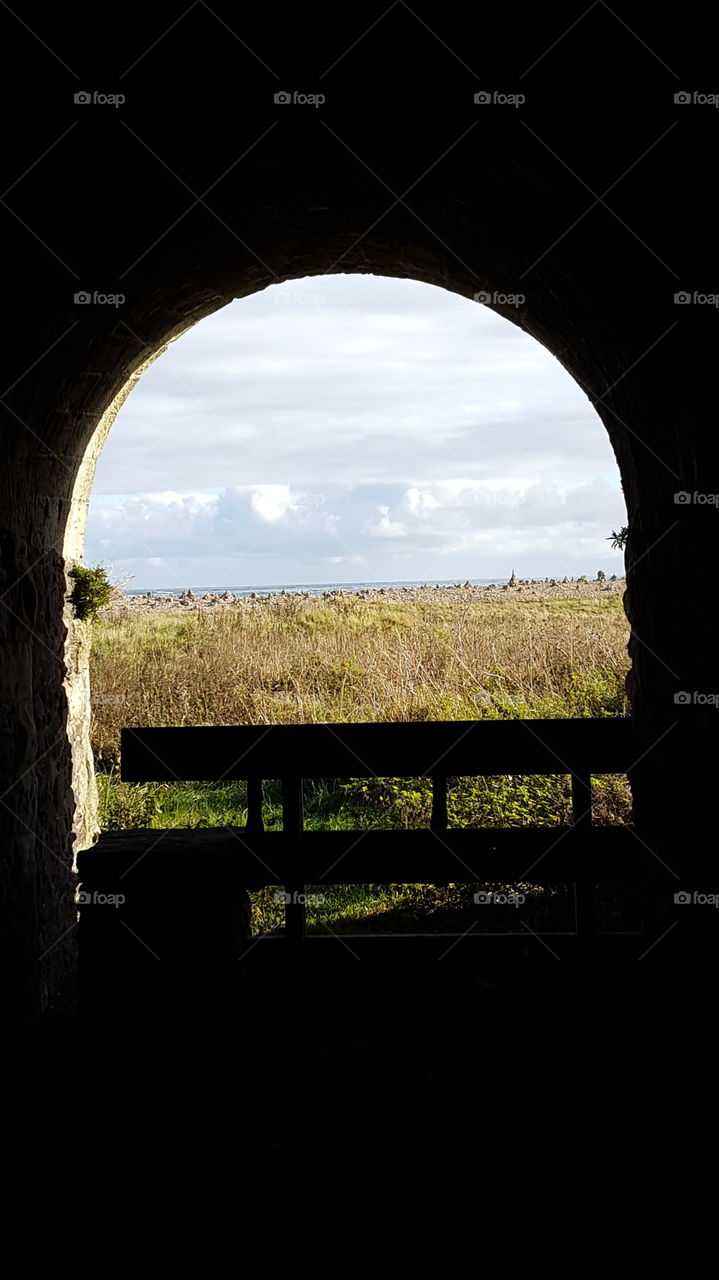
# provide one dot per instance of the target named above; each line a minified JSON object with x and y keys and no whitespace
{"x":298,"y":661}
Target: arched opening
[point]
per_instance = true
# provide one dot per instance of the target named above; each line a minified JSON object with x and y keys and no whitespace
{"x":452,"y":341}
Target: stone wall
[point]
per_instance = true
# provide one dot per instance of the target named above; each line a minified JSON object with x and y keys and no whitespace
{"x":79,"y":634}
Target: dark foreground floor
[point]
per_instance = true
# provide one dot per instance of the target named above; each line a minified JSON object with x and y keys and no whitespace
{"x":452,"y":1127}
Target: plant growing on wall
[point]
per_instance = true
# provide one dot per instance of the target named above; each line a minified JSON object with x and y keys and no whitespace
{"x":618,"y":538}
{"x":91,"y":591}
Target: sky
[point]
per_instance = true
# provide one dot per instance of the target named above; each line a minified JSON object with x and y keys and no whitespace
{"x":354,"y":429}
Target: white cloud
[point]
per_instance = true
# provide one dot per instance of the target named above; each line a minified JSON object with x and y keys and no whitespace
{"x":420,"y":502}
{"x":272,"y":501}
{"x":384,"y":527}
{"x":381,"y":423}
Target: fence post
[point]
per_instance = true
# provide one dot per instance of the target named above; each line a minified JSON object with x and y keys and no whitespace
{"x":438,"y":821}
{"x":293,"y":823}
{"x":254,"y":806}
{"x":583,"y":887}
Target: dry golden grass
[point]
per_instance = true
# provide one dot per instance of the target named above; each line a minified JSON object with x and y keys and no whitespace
{"x":298,"y":661}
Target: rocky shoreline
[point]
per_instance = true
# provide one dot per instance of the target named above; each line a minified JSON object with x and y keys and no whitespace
{"x":600,"y":588}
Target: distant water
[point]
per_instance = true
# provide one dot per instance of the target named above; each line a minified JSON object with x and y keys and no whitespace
{"x":317,"y":588}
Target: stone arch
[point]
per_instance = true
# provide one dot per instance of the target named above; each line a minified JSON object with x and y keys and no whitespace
{"x":90,"y":370}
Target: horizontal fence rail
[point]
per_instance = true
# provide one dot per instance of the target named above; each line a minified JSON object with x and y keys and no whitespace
{"x":472,"y":748}
{"x":250,"y":858}
{"x":211,"y":855}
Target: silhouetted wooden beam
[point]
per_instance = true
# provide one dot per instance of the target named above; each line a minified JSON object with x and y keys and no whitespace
{"x":224,"y":856}
{"x":461,"y":748}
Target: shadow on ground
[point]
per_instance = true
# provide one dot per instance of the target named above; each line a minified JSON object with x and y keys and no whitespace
{"x":448,"y":1125}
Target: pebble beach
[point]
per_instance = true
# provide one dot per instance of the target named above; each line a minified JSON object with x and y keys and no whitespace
{"x":543,"y":589}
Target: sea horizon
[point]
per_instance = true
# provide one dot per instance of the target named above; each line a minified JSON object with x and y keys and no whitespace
{"x":317,"y":588}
